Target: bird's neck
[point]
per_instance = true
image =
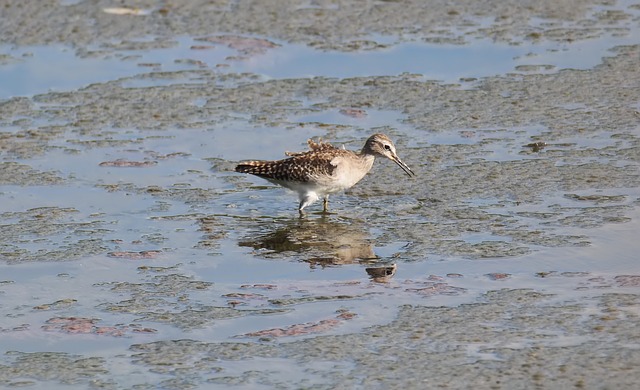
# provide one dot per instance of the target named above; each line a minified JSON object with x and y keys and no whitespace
{"x":366,"y":152}
{"x":367,"y":159}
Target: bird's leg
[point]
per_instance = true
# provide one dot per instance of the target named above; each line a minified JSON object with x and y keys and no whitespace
{"x":306,"y":200}
{"x":325,"y":204}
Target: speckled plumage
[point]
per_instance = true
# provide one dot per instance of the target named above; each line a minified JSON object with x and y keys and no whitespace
{"x":324,"y":169}
{"x":300,"y":167}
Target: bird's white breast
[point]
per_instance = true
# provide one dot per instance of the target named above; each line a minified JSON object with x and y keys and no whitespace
{"x":347,"y":173}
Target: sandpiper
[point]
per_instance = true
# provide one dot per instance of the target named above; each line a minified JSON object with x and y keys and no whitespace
{"x":324,"y":169}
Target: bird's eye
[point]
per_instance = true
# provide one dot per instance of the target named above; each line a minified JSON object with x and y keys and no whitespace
{"x":388,"y":147}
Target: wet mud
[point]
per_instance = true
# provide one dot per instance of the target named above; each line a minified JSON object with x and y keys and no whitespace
{"x":132,"y":256}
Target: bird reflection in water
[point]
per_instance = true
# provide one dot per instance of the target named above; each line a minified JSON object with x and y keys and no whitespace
{"x":383,"y":273}
{"x":322,"y":242}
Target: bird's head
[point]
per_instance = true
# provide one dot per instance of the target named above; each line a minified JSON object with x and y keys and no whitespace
{"x":380,"y":145}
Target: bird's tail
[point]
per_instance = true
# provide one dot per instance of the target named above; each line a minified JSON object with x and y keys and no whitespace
{"x":253,"y":167}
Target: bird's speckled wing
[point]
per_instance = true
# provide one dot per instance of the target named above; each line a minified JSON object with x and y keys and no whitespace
{"x":301,"y":167}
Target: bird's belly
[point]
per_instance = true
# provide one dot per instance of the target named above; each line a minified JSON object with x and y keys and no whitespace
{"x":322,"y":185}
{"x":321,"y":189}
{"x":337,"y":183}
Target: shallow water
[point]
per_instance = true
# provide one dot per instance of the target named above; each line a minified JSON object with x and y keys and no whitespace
{"x":39,"y":69}
{"x":103,"y":259}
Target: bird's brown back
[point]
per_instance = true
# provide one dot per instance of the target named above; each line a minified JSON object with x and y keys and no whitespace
{"x":301,"y":167}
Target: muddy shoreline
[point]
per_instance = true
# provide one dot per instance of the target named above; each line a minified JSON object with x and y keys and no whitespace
{"x":121,"y":209}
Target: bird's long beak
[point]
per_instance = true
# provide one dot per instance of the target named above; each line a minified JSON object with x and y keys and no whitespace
{"x":402,"y":165}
